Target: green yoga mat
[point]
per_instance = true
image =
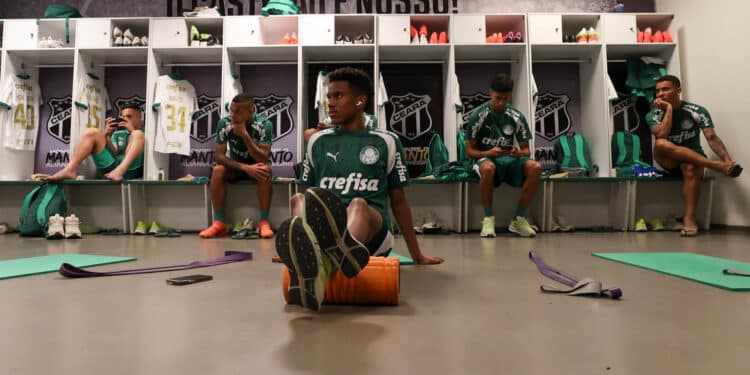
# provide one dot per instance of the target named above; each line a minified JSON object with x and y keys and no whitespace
{"x":51,"y":263}
{"x":701,"y":268}
{"x":403,"y":260}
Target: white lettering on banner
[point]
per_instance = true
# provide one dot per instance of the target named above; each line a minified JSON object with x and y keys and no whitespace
{"x":57,"y":158}
{"x":354,"y":182}
{"x":282,"y":157}
{"x":415,"y":155}
{"x":201,"y":157}
{"x":253,"y":7}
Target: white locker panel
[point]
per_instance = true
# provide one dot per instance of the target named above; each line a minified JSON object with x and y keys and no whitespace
{"x":545,"y":28}
{"x":242,"y":31}
{"x":169,"y":34}
{"x":317,"y":30}
{"x":620,"y":28}
{"x":20,"y":34}
{"x":393,"y":30}
{"x":93,"y":33}
{"x":469,"y":29}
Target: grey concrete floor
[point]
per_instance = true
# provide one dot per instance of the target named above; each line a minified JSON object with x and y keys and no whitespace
{"x":479,"y":313}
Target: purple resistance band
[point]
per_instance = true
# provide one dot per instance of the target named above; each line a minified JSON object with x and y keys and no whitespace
{"x":230,"y":256}
{"x":571,"y":281}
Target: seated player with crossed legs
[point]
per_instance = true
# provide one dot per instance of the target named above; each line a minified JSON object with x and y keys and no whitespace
{"x":247,"y":135}
{"x":117,"y":150}
{"x":343,"y":220}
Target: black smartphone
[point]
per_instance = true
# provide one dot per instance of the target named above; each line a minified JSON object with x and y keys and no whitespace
{"x":191,"y":279}
{"x":507,"y":148}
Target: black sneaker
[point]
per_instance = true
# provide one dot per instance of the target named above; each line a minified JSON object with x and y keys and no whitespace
{"x":326,"y":214}
{"x":297,"y":248}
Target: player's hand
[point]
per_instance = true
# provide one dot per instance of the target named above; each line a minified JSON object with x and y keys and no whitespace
{"x":663,"y":104}
{"x":516,"y":152}
{"x":427,"y":260}
{"x":496,"y":152}
{"x":111,"y":125}
{"x":240,"y":129}
{"x":258,"y":171}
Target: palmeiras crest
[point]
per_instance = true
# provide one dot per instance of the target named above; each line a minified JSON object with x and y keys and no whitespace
{"x":136,"y":100}
{"x":552,"y":117}
{"x":410,"y":118}
{"x":471,"y":102}
{"x":204,"y":125}
{"x":277,"y":110}
{"x":58,"y":124}
{"x":626,"y":117}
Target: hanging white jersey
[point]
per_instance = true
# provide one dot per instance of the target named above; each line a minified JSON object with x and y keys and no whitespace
{"x":534,"y":92}
{"x":92,"y":103}
{"x":455,"y":92}
{"x":321,"y":95}
{"x":611,"y":91}
{"x":382,"y":96}
{"x":234,"y":89}
{"x":175,"y":100}
{"x":21,"y":97}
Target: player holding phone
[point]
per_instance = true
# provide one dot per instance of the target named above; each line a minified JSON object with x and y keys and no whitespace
{"x":490,"y":134}
{"x":117,"y":150}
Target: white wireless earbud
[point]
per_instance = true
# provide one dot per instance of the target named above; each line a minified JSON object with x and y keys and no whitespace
{"x":359,"y":103}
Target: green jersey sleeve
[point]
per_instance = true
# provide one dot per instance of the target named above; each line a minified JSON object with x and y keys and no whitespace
{"x":523,"y":133}
{"x":223,"y":127}
{"x":398,"y":175}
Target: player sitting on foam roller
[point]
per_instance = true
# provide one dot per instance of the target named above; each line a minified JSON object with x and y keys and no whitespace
{"x":489,"y":139}
{"x":675,"y":124}
{"x":343,"y":220}
{"x":117,"y":150}
{"x":247,"y":135}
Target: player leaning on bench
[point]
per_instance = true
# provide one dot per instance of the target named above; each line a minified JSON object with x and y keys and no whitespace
{"x":675,"y":124}
{"x":343,"y":219}
{"x":490,"y":134}
{"x":247,"y":135}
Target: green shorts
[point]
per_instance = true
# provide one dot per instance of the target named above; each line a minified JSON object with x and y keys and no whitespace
{"x":507,"y":169}
{"x":106,"y":161}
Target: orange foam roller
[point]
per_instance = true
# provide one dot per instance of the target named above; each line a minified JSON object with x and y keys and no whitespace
{"x":376,"y":284}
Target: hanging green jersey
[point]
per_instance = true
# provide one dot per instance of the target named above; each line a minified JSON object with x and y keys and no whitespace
{"x":491,"y":129}
{"x":259,"y":128}
{"x":360,"y":164}
{"x":686,"y":123}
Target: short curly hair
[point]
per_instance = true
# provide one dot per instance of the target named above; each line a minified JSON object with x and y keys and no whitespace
{"x":357,"y":78}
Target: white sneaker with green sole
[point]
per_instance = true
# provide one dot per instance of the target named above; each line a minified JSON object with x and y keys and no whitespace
{"x":488,"y":227}
{"x":520,"y":226}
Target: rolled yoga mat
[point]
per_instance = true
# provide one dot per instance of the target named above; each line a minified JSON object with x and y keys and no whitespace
{"x":701,"y":268}
{"x":376,"y":284}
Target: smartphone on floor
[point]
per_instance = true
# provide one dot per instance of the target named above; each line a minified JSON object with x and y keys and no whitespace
{"x":191,"y":279}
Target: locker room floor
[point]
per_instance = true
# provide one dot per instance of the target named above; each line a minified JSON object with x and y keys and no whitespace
{"x":480,"y":312}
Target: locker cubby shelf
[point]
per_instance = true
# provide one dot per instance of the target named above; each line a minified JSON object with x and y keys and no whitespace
{"x":46,"y":56}
{"x":354,"y":25}
{"x":137,"y":26}
{"x":656,"y":21}
{"x":191,"y":55}
{"x":564,"y":51}
{"x":263,"y":53}
{"x":55,"y":28}
{"x":117,"y":55}
{"x":573,"y":23}
{"x":273,"y":29}
{"x":622,"y":51}
{"x":510,"y":51}
{"x":356,"y":52}
{"x":410,"y":53}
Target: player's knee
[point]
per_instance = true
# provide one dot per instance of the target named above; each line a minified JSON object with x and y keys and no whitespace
{"x":91,"y":132}
{"x":219,"y":172}
{"x":690,"y":170}
{"x":297,"y":198}
{"x":137,"y":134}
{"x":533,"y":168}
{"x":662,"y":144}
{"x":487,"y":168}
{"x":358,"y":203}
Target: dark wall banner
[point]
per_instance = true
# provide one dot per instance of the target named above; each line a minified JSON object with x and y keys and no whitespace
{"x":53,"y":139}
{"x":630,"y":111}
{"x":415,"y":109}
{"x":312,"y":78}
{"x":558,"y":109}
{"x":275,"y":90}
{"x":474,"y":84}
{"x":126,"y":85}
{"x":207,"y":83}
{"x":169,"y":8}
